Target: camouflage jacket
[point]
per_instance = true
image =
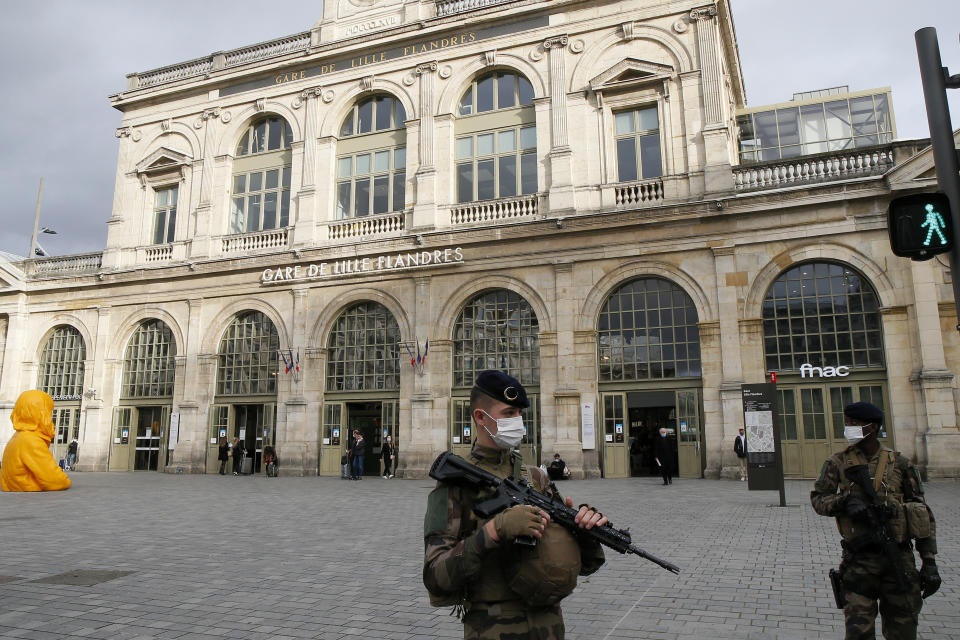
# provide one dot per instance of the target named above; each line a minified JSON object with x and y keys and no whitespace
{"x":461,"y":563}
{"x":829,"y":494}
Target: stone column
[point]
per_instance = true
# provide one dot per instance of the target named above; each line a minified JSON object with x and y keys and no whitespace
{"x":95,"y":436}
{"x":428,"y":405}
{"x":189,"y":454}
{"x":585,"y":359}
{"x":718,"y":175}
{"x":425,"y":208}
{"x":201,"y":242}
{"x":561,"y":157}
{"x":567,"y":393}
{"x":937,"y":438}
{"x":305,"y":223}
{"x":719,"y":400}
{"x":730,"y":284}
{"x":297,"y":443}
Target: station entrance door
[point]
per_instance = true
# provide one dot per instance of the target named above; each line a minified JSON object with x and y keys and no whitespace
{"x":253,"y":424}
{"x":375,"y":419}
{"x":140,"y":438}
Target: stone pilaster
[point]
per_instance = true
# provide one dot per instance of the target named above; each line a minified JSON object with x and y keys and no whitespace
{"x":425,"y":209}
{"x":189,"y":454}
{"x":306,"y":210}
{"x":95,"y":422}
{"x":566,"y":394}
{"x":561,"y":156}
{"x":297,"y":440}
{"x":706,"y":27}
{"x":12,"y":371}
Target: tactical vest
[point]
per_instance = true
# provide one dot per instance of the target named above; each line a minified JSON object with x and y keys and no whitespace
{"x":887,"y":482}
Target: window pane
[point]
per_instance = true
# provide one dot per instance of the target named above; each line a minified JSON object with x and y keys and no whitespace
{"x":465,"y":182}
{"x":464,"y":147}
{"x":347,"y":128}
{"x":399,"y":190}
{"x":363,"y":197}
{"x":259,"y":141}
{"x":650,"y":155}
{"x":485,"y":144}
{"x":508,"y":176}
{"x":273,"y":178}
{"x":883,"y":114}
{"x":384,"y":103}
{"x":285,"y":209}
{"x":838,"y":119}
{"x":525,"y":91}
{"x":344,"y":166}
{"x":253,"y":213}
{"x":381,"y":161}
{"x":624,"y":122}
{"x":399,"y":114}
{"x":239,"y":183}
{"x":270,"y":211}
{"x":286,"y":177}
{"x":766,"y":124}
{"x":505,"y":91}
{"x":256,"y":181}
{"x":363,"y":164}
{"x":528,"y":138}
{"x":160,"y":198}
{"x":287,"y":135}
{"x":528,"y":173}
{"x":812,"y":126}
{"x":862,"y":116}
{"x":485,"y":94}
{"x":237,"y":215}
{"x":365,"y":117}
{"x":274,"y":129}
{"x":159,"y":227}
{"x":626,"y":159}
{"x":400,"y":157}
{"x":171,"y":224}
{"x":648,"y":119}
{"x":243,"y":147}
{"x":788,"y":122}
{"x":486,"y":189}
{"x":506,"y":141}
{"x":381,"y":194}
{"x":343,"y":199}
{"x":466,"y":103}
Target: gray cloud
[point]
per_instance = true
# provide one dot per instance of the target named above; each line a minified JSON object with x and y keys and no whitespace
{"x":62,"y":59}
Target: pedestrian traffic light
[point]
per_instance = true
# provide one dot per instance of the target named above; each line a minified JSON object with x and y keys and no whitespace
{"x":920,"y":226}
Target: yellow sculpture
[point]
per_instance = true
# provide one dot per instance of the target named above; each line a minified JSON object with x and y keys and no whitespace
{"x":28,"y":464}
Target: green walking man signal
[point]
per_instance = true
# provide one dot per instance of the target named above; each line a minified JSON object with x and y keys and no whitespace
{"x":920,"y":226}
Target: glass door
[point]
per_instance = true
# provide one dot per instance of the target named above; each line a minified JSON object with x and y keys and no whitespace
{"x":218,"y":424}
{"x":333,"y":442}
{"x":124,"y":421}
{"x":688,"y":433}
{"x":389,"y":418}
{"x":462,"y":428}
{"x":146,"y":455}
{"x":615,"y":447}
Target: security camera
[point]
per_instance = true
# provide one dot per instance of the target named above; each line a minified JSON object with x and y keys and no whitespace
{"x":298,"y":253}
{"x":559,"y":223}
{"x":718,"y":204}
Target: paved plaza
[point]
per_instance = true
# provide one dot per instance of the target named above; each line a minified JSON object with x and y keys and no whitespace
{"x":209,"y":557}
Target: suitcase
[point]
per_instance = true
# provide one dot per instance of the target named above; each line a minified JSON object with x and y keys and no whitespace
{"x":246,"y":468}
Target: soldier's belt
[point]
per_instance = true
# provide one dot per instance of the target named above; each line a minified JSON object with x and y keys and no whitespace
{"x":505,"y":607}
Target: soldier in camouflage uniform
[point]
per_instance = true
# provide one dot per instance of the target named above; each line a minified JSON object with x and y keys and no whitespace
{"x":868,"y":577}
{"x":467,"y":562}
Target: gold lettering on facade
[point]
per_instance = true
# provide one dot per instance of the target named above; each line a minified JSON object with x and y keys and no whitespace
{"x":283,"y":78}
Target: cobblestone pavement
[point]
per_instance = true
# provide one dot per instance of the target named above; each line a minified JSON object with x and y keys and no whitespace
{"x":238,"y":557}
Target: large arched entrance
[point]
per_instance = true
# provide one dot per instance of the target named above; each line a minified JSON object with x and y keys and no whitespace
{"x":245,"y":400}
{"x":648,"y":362}
{"x":146,"y":396}
{"x":823,"y":336}
{"x":496,"y":329}
{"x":362,"y":385}
{"x":61,"y":375}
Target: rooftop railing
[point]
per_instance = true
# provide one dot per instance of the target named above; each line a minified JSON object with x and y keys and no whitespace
{"x":451,"y":7}
{"x":824,"y":167}
{"x":78,"y":264}
{"x":488,"y":211}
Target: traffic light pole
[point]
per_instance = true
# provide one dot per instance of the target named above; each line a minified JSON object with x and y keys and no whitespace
{"x":936,"y":80}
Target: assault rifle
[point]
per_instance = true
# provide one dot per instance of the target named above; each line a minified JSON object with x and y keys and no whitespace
{"x":877,"y":519}
{"x":453,"y":469}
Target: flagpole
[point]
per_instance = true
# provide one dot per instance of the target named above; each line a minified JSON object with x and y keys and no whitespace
{"x":36,"y":224}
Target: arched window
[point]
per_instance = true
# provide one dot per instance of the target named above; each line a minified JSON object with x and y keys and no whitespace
{"x":648,"y":330}
{"x":61,"y":364}
{"x":822,"y":314}
{"x":496,"y":139}
{"x":372,"y":158}
{"x":247,"y":358}
{"x":364,"y":350}
{"x":496,"y":330}
{"x":261,"y":177}
{"x":148,"y":362}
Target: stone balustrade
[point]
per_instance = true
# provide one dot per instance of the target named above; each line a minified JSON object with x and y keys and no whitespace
{"x":78,"y":264}
{"x":383,"y":225}
{"x":172,"y":73}
{"x":256,"y":241}
{"x":159,"y":253}
{"x":494,"y":210}
{"x":451,"y":7}
{"x":632,"y":194}
{"x":823,"y":167}
{"x":265,"y":50}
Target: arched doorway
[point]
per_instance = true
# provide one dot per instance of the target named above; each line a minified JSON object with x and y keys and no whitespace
{"x":496,"y":329}
{"x":61,"y":375}
{"x":362,"y":385}
{"x":146,"y":396}
{"x":245,"y":400}
{"x":823,"y":336}
{"x":648,"y":363}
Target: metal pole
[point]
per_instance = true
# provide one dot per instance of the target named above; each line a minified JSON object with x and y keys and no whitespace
{"x":934,"y":76}
{"x":36,"y":224}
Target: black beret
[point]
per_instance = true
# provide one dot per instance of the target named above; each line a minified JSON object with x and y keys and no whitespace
{"x":502,"y":387}
{"x":864,"y":411}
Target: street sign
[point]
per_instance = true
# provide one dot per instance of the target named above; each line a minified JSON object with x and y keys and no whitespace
{"x":920,"y":225}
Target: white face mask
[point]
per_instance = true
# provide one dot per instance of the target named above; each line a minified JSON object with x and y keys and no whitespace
{"x":853,"y":434}
{"x":509,"y":431}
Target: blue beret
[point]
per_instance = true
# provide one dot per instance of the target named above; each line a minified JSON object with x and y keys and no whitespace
{"x":864,"y":411}
{"x":502,"y":387}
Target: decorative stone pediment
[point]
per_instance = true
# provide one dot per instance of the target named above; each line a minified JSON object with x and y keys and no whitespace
{"x":163,"y":161}
{"x":629,"y":73}
{"x":916,"y":171}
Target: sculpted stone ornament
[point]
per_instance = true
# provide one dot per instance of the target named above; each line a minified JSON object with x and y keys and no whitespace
{"x":130,"y":132}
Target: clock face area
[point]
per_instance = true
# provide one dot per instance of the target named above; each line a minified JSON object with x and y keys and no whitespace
{"x":358,"y":8}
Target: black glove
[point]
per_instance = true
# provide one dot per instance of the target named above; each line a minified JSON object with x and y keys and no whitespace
{"x":856,"y":508}
{"x":929,"y":578}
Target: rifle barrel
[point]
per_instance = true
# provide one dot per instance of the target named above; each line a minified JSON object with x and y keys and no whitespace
{"x":669,"y":566}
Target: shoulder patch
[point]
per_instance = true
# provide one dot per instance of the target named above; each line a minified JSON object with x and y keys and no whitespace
{"x":435,"y":520}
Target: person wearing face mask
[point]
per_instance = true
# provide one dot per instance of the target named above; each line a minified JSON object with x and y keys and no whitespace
{"x":866,"y":573}
{"x":664,"y":456}
{"x":388,"y":453}
{"x":473,"y":564}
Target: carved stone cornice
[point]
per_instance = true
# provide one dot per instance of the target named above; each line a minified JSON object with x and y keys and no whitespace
{"x":556,"y":42}
{"x":426,"y":67}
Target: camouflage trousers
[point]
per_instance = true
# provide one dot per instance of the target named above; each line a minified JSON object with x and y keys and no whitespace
{"x":512,"y":621}
{"x":868,"y":579}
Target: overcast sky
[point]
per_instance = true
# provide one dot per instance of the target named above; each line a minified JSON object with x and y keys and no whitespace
{"x":62,"y":58}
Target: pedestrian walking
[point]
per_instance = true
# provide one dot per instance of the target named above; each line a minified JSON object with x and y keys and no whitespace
{"x":359,"y":450}
{"x":740,"y":448}
{"x":223,"y":454}
{"x":237,"y":449}
{"x":877,"y":498}
{"x":664,"y":456}
{"x":388,"y":453}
